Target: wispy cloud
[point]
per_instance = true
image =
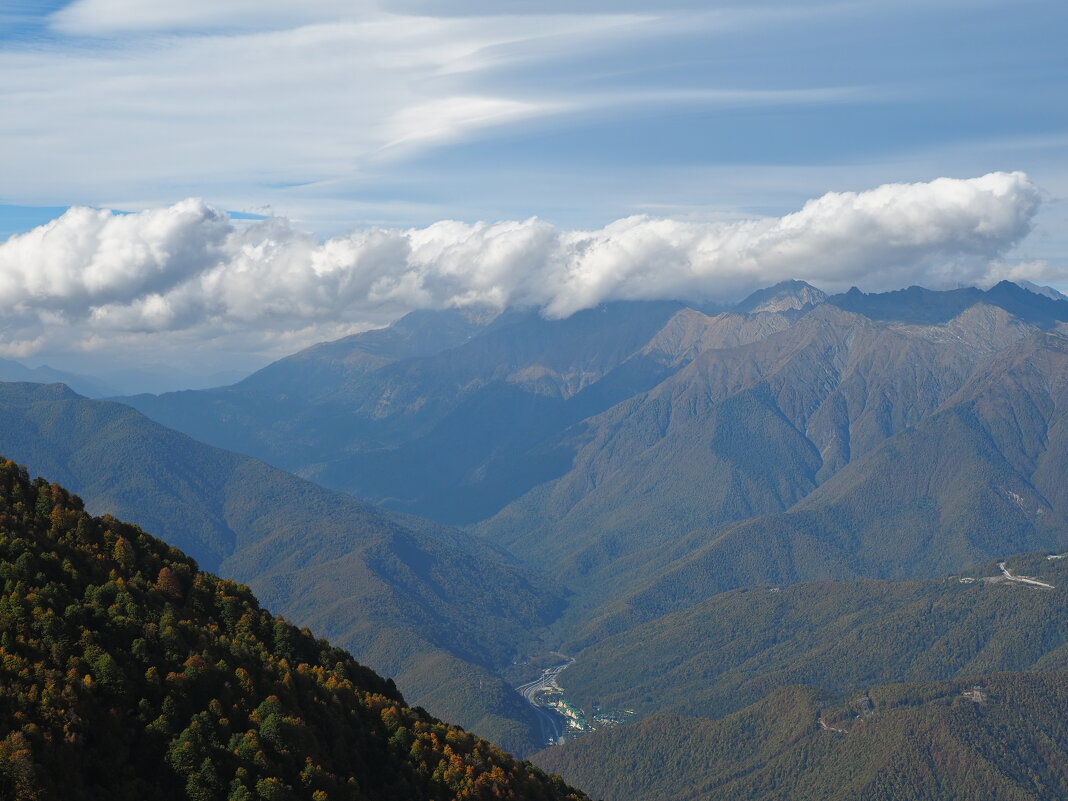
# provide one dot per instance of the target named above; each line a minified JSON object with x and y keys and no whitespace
{"x":132,"y":102}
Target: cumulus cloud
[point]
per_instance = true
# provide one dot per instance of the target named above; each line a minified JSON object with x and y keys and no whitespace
{"x":97,"y":277}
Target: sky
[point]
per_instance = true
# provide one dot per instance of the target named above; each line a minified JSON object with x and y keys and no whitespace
{"x":253,"y":176}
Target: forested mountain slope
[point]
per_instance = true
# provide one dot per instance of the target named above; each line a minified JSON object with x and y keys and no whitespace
{"x":454,"y":415}
{"x":984,"y":738}
{"x":978,"y":479}
{"x":732,"y":649}
{"x":650,"y":456}
{"x":748,"y":431}
{"x":437,"y":610}
{"x":127,"y":673}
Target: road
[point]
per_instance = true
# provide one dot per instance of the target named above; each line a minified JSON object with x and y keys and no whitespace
{"x":1023,"y":579}
{"x":549,"y":719}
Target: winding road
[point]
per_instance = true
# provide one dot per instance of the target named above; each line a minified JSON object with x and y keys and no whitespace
{"x":549,"y":719}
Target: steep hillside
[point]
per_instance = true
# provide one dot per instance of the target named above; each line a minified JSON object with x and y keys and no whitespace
{"x":424,"y":604}
{"x":980,"y":478}
{"x":125,"y":672}
{"x":985,"y":738}
{"x":734,"y":648}
{"x":458,"y":433}
{"x":454,"y":416}
{"x":743,"y":432}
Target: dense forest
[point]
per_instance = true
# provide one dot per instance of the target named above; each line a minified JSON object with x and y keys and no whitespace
{"x":127,"y":673}
{"x":732,"y":649}
{"x":438,"y":611}
{"x":1000,"y":737}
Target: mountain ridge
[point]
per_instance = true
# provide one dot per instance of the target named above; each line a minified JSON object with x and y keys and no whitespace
{"x":125,"y":672}
{"x":446,"y":610}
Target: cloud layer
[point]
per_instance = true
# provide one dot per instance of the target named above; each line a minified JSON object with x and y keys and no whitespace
{"x":189,"y":274}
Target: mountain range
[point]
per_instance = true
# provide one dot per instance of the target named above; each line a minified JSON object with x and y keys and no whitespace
{"x":715,"y":513}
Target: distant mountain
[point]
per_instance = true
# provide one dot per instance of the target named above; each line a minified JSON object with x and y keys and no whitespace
{"x":165,"y":378}
{"x":1045,"y":291}
{"x":594,"y":447}
{"x":927,"y":307}
{"x":980,"y":478}
{"x":786,"y":296}
{"x":451,"y":435}
{"x":982,"y":738}
{"x":747,"y":431}
{"x":125,"y":672}
{"x":11,"y":370}
{"x":436,"y":610}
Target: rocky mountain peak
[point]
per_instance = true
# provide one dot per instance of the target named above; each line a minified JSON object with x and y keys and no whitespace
{"x":784,"y":296}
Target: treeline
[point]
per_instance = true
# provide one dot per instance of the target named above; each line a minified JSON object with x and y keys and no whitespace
{"x":127,"y":673}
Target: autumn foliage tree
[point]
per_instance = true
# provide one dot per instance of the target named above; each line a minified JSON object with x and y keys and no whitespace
{"x":127,"y":673}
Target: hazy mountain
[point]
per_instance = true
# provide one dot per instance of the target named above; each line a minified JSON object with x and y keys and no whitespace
{"x":1045,"y":291}
{"x":597,"y":443}
{"x":983,"y":738}
{"x":11,"y":370}
{"x":452,"y":435}
{"x":435,"y":609}
{"x":128,"y":673}
{"x":928,"y":307}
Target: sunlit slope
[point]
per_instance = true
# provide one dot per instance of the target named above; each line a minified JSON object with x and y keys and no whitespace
{"x":419,"y":602}
{"x":984,"y":738}
{"x":128,"y":673}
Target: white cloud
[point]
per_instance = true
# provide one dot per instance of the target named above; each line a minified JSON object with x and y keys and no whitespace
{"x":88,"y":258}
{"x":93,"y":279}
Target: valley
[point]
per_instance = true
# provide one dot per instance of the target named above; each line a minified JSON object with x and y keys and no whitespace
{"x":533,"y":401}
{"x":534,"y":692}
{"x":705,"y":510}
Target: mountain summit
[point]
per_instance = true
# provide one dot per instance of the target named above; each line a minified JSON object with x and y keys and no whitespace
{"x":785,"y":296}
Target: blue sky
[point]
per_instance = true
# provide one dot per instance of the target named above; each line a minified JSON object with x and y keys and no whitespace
{"x":339,"y":115}
{"x":580,"y":118}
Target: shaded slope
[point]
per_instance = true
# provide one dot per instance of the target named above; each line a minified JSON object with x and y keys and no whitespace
{"x":422,"y":603}
{"x":927,"y":742}
{"x":125,"y":672}
{"x":267,"y":414}
{"x":445,"y":434}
